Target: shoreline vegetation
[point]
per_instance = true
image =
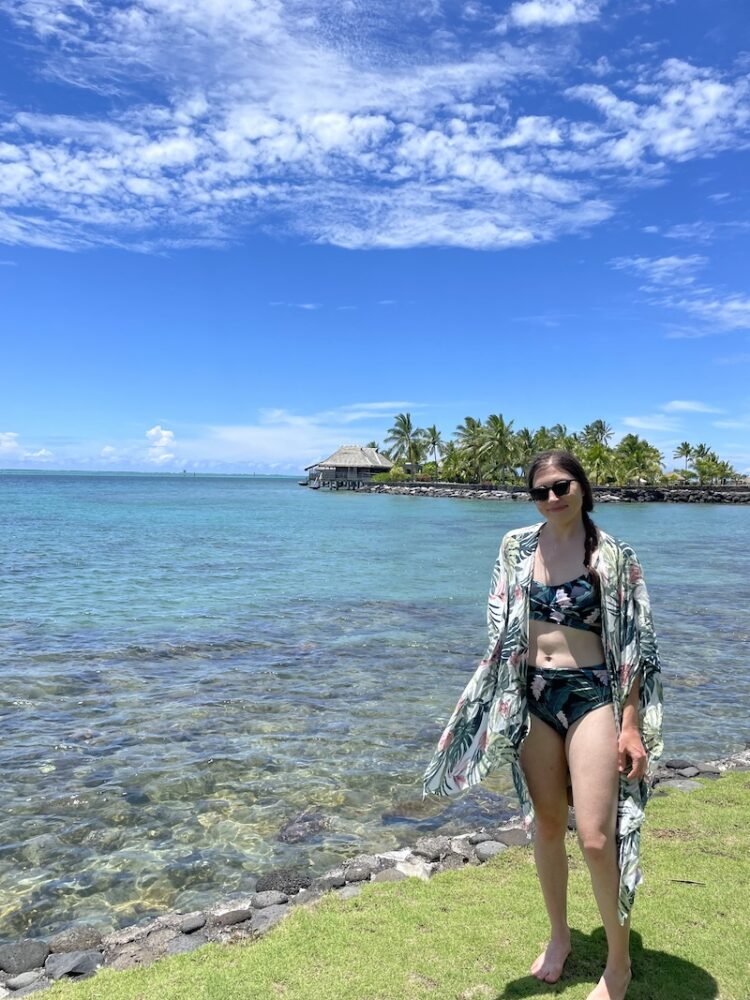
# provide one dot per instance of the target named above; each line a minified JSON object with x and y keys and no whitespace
{"x":469,"y":934}
{"x":492,"y":453}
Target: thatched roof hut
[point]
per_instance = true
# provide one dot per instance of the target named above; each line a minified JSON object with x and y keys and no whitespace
{"x":350,"y":466}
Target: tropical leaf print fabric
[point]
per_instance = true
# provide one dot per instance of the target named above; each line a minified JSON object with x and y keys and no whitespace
{"x":491,"y":719}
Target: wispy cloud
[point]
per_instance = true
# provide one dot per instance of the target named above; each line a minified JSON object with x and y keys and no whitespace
{"x":652,"y":422}
{"x":672,"y":282}
{"x":688,"y":406}
{"x":305,"y":122}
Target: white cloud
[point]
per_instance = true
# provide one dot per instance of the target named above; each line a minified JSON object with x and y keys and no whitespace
{"x":306,"y":122}
{"x":9,"y":443}
{"x":161,"y":442}
{"x":11,"y":448}
{"x":652,"y":422}
{"x":535,"y":14}
{"x":659,"y":272}
{"x":673,"y":283}
{"x":688,"y":406}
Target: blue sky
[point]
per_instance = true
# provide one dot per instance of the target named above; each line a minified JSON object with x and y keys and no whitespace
{"x":235,"y":234}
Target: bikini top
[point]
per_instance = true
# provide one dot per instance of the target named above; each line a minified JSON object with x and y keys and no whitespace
{"x":574,"y":604}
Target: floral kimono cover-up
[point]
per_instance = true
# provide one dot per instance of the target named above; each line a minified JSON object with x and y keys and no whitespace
{"x":491,"y":718}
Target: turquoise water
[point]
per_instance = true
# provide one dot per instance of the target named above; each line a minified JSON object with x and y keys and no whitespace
{"x":189,"y":663}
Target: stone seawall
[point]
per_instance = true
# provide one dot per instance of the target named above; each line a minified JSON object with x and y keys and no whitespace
{"x":34,"y":964}
{"x":621,"y":494}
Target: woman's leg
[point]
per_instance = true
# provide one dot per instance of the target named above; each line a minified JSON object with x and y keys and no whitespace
{"x":592,"y":759}
{"x":546,"y":770}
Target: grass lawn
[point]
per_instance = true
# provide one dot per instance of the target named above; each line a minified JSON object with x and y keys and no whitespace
{"x":471,"y":934}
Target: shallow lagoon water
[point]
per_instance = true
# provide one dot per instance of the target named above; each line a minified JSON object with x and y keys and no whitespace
{"x":190,"y":663}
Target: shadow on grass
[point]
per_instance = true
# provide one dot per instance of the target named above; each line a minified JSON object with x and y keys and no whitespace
{"x":656,"y":974}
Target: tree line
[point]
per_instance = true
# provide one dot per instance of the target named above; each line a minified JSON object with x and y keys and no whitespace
{"x":492,"y":451}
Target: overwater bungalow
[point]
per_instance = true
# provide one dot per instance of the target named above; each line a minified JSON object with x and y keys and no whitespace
{"x":348,"y":468}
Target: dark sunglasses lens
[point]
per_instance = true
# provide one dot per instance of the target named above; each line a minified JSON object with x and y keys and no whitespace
{"x":560,"y":488}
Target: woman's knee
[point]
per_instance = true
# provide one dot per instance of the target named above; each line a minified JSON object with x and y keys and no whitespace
{"x":597,"y":845}
{"x":551,"y":826}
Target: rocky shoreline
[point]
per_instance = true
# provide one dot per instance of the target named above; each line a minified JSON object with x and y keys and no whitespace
{"x":620,"y":494}
{"x":34,"y":964}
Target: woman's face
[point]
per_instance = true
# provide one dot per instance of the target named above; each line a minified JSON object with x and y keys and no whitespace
{"x":562,"y":509}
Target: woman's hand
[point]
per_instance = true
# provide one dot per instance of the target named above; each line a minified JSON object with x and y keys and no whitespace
{"x":631,"y":751}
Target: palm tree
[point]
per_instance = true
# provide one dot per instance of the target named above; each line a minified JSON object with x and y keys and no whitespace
{"x":435,"y":444}
{"x":498,"y":446}
{"x":470,"y":436}
{"x":637,"y":460}
{"x":373,"y":444}
{"x":684,"y":450}
{"x":597,"y":459}
{"x":597,"y":432}
{"x":526,"y":447}
{"x":400,"y":436}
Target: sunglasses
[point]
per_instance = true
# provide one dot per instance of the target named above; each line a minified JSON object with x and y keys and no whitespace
{"x":561,"y":488}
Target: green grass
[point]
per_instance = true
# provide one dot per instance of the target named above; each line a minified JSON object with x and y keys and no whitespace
{"x":471,"y":934}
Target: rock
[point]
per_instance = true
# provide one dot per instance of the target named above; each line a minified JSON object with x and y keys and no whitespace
{"x":229,"y":917}
{"x":414,"y":867}
{"x":37,"y":987}
{"x":677,"y":763}
{"x":141,"y":945}
{"x":84,"y":937}
{"x":23,"y":956}
{"x":185,"y":943}
{"x":333,"y":879}
{"x":192,"y":922}
{"x":349,"y":891}
{"x":303,"y":826}
{"x":389,"y":875}
{"x":288,"y":880}
{"x":489,"y":849}
{"x":684,"y":785}
{"x":512,"y":838}
{"x":361,"y":867}
{"x":479,"y":837}
{"x":708,"y":769}
{"x":451,"y":862}
{"x":268,"y":917}
{"x":460,"y":846}
{"x":688,"y":772}
{"x":432,"y":848}
{"x":24,"y":979}
{"x":269,"y":898}
{"x":73,"y":963}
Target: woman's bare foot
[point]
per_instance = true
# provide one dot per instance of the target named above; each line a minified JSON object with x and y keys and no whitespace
{"x":548,"y":967}
{"x":612,"y":986}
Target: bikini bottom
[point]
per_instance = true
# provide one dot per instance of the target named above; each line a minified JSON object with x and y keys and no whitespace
{"x":561,"y":696}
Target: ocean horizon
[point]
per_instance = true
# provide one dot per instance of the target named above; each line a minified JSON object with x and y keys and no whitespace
{"x":208,"y":676}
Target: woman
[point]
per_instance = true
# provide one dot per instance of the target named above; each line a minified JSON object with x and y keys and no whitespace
{"x":569,"y":691}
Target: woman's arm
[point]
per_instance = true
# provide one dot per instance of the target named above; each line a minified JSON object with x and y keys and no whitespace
{"x":630,"y":749}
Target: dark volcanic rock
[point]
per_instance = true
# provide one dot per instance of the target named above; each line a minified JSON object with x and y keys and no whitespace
{"x":230,"y":917}
{"x":287,"y":880}
{"x":268,"y":917}
{"x":84,"y":937}
{"x":23,"y":956}
{"x":304,"y":826}
{"x":512,"y":838}
{"x":269,"y":898}
{"x":432,"y":848}
{"x":73,"y":963}
{"x":192,"y":922}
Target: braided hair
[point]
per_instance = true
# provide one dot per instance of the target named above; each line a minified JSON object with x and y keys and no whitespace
{"x":567,"y":461}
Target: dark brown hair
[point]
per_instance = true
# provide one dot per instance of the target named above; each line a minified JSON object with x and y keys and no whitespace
{"x":567,"y":461}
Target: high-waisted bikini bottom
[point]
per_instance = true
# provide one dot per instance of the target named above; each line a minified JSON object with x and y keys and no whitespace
{"x":561,"y":696}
